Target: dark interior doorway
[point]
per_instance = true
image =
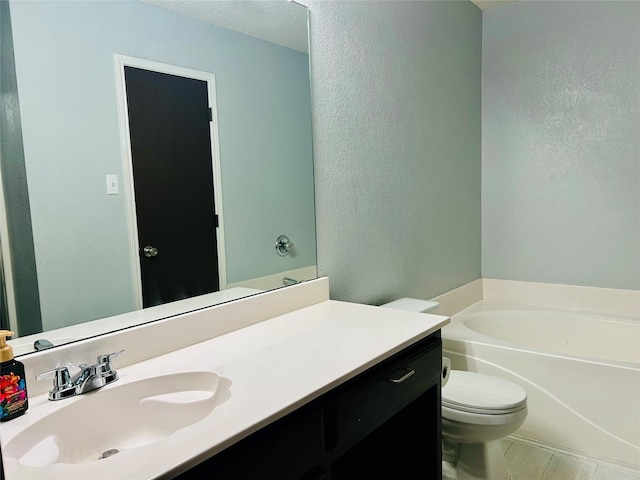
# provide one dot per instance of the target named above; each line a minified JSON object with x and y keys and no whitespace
{"x":169,"y":124}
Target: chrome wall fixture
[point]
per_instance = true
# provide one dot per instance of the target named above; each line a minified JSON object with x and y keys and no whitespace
{"x":283,"y":245}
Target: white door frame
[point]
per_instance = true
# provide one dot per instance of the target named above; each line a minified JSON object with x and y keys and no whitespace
{"x":122,"y":61}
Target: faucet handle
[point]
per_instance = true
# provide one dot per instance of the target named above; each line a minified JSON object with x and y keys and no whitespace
{"x":63,"y":387}
{"x":107,"y":357}
{"x":60,"y":375}
{"x":104,"y":361}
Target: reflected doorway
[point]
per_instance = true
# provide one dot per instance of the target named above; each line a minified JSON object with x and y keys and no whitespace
{"x":170,"y":120}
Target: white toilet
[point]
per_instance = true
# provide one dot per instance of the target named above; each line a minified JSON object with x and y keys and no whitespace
{"x":477,"y":412}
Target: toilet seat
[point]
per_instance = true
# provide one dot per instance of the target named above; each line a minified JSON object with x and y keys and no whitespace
{"x":476,"y":393}
{"x":496,"y":420}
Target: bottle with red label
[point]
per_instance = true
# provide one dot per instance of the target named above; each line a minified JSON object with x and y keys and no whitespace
{"x":13,"y":385}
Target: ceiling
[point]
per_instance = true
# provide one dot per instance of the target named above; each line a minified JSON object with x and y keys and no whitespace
{"x":278,"y":21}
{"x":484,"y":4}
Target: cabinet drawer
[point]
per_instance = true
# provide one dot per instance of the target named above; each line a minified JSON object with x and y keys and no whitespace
{"x":376,"y":395}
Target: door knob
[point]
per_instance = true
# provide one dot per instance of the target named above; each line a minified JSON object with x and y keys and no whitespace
{"x":283,"y":245}
{"x":150,"y":251}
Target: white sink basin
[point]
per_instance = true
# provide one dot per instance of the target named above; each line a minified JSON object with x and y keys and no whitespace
{"x":118,"y":417}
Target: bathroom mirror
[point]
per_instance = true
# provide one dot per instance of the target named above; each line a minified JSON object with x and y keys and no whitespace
{"x":71,"y":243}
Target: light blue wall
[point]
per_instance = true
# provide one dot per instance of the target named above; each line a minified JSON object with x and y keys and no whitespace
{"x":64,"y":63}
{"x":396,"y":110}
{"x":561,"y":143}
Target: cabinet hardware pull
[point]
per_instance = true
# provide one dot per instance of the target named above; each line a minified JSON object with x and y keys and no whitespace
{"x":404,"y":377}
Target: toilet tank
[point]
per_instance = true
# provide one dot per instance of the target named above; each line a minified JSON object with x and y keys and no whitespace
{"x":413,"y":305}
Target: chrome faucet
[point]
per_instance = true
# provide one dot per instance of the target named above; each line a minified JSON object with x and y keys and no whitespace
{"x":90,"y":377}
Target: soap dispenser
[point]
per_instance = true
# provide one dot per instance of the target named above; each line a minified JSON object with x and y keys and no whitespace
{"x":13,"y":386}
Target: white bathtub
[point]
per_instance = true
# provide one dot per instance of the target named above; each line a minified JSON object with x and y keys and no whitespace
{"x":581,"y":372}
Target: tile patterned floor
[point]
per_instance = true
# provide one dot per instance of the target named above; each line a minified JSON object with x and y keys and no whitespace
{"x":528,"y":461}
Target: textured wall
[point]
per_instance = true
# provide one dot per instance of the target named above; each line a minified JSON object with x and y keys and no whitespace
{"x":396,"y":110}
{"x":561,"y":148}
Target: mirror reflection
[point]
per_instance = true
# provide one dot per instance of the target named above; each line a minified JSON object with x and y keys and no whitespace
{"x":151,"y":159}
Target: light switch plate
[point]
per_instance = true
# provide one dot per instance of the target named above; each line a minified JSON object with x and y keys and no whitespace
{"x":112,"y":185}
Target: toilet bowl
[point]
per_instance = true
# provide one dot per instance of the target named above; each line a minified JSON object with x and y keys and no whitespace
{"x":477,"y":412}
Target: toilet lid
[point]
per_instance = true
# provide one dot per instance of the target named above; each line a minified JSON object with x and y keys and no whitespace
{"x":479,"y":393}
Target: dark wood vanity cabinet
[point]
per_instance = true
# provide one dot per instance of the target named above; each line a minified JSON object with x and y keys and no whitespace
{"x":288,"y":449}
{"x":384,"y":423}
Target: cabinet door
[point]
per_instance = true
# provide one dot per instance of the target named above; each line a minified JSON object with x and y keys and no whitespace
{"x":406,"y":447}
{"x":288,"y":449}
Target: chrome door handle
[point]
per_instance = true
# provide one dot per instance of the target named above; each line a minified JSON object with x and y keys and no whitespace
{"x":150,"y":251}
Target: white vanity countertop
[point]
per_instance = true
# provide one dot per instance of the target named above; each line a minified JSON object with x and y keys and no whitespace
{"x":274,"y":366}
